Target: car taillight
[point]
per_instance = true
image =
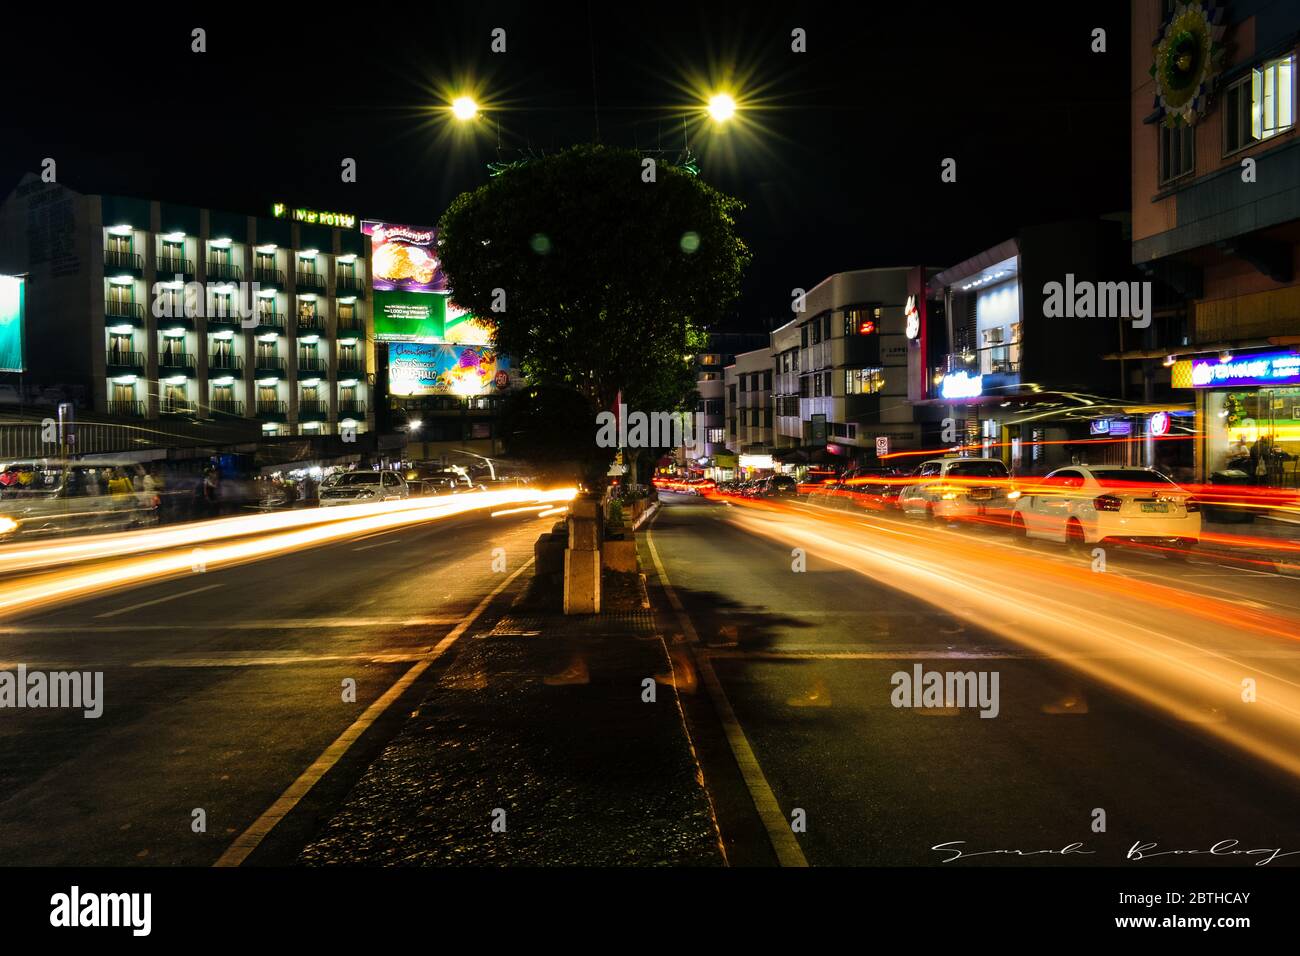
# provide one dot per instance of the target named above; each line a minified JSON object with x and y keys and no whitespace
{"x":1106,"y":503}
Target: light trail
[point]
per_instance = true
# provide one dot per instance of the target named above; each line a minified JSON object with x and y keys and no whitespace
{"x":127,"y":567}
{"x":1183,"y":651}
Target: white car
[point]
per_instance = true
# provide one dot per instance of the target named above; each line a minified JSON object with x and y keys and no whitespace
{"x":1083,"y":504}
{"x":952,"y":489}
{"x":356,"y":487}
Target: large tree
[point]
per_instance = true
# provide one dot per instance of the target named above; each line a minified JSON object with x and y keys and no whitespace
{"x":607,"y":280}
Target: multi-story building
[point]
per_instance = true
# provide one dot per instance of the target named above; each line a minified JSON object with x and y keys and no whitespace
{"x":749,"y":409}
{"x":710,"y":406}
{"x":148,"y":310}
{"x":841,"y":370}
{"x":1216,"y":221}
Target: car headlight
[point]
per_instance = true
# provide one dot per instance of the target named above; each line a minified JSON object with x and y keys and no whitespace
{"x":1012,"y":495}
{"x":7,"y":524}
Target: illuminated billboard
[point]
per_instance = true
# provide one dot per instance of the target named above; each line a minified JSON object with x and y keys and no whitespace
{"x":1261,"y":368}
{"x":409,"y":316}
{"x":404,"y":258}
{"x":11,"y":324}
{"x":462,"y":328}
{"x":419,"y":368}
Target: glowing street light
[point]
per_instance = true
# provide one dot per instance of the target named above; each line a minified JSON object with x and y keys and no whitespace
{"x":464,"y":108}
{"x":721,"y":107}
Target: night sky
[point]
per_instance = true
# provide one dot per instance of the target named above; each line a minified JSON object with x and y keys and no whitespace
{"x":837,"y":154}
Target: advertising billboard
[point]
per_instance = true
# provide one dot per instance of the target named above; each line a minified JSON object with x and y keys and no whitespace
{"x":409,"y":316}
{"x":404,"y":258}
{"x":420,"y":368}
{"x":462,"y":328}
{"x":11,"y":324}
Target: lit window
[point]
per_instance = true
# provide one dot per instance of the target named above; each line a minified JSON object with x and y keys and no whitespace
{"x":1272,"y":95}
{"x":1177,"y":151}
{"x":863,"y":381}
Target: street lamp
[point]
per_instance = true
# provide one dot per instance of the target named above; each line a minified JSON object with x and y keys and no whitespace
{"x":464,"y":108}
{"x":721,"y":107}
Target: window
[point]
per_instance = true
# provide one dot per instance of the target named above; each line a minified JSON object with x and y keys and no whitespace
{"x":863,"y":320}
{"x":817,"y":386}
{"x":816,"y":331}
{"x":767,"y":381}
{"x":1272,"y":93}
{"x":863,"y":381}
{"x":827,"y":383}
{"x":1177,"y":152}
{"x":715,"y":436}
{"x":1238,"y":130}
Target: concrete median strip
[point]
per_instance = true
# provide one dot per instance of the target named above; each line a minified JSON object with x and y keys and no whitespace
{"x":251,"y":839}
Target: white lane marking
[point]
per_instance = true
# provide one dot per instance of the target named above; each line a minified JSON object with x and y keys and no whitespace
{"x":788,"y":852}
{"x":170,"y":597}
{"x":250,"y":839}
{"x":377,"y":544}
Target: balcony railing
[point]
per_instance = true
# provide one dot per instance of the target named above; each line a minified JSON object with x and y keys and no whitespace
{"x":271,"y":408}
{"x":989,"y":360}
{"x":126,"y":409}
{"x":313,"y":410}
{"x":225,"y":363}
{"x":225,"y":407}
{"x":348,"y":285}
{"x":269,"y":363}
{"x":175,"y":406}
{"x":130,"y":311}
{"x":352,"y":408}
{"x":352,"y":326}
{"x":309,"y":281}
{"x":121,"y":359}
{"x":270,"y":320}
{"x":173,"y":265}
{"x":312,"y":363}
{"x":176,"y":360}
{"x":226,"y":316}
{"x":311,"y":323}
{"x":224,"y":271}
{"x":354,"y":365}
{"x":123,"y":260}
{"x":269,"y":277}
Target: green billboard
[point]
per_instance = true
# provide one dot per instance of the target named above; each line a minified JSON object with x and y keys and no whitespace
{"x":11,"y":324}
{"x":409,"y":316}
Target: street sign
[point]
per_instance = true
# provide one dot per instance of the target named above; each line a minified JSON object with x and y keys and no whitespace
{"x":882,"y":446}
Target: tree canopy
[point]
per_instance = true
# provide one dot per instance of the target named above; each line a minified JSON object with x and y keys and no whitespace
{"x":601,"y":281}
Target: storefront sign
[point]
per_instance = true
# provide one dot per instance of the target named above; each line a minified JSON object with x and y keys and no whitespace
{"x":913,"y":317}
{"x":1159,"y":424}
{"x":961,"y":385}
{"x":1099,"y":427}
{"x":409,"y":317}
{"x":1262,"y":368}
{"x":404,"y":258}
{"x":756,"y":461}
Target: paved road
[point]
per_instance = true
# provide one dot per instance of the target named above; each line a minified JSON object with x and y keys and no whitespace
{"x":223,"y":687}
{"x":804,"y":662}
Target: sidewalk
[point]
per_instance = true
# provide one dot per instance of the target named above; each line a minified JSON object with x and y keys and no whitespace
{"x":542,"y":717}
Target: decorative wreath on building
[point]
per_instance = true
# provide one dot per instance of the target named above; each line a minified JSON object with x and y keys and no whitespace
{"x":1188,"y":56}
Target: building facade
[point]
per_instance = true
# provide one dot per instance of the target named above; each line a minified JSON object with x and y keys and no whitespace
{"x":140,"y":310}
{"x":710,"y":371}
{"x":749,"y":408}
{"x":841,"y":370}
{"x":1216,"y":222}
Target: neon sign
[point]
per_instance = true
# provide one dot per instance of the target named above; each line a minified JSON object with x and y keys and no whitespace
{"x":961,"y":384}
{"x":315,"y":217}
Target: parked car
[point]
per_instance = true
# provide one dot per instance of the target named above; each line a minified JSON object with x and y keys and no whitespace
{"x":55,"y":496}
{"x":355,"y":487}
{"x":1083,"y":504}
{"x":954,"y":489}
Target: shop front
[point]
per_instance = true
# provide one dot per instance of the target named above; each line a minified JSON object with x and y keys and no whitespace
{"x":1248,"y":407}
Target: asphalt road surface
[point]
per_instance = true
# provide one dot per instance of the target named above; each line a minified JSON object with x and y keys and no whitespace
{"x":812,"y":749}
{"x":222,"y":688}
